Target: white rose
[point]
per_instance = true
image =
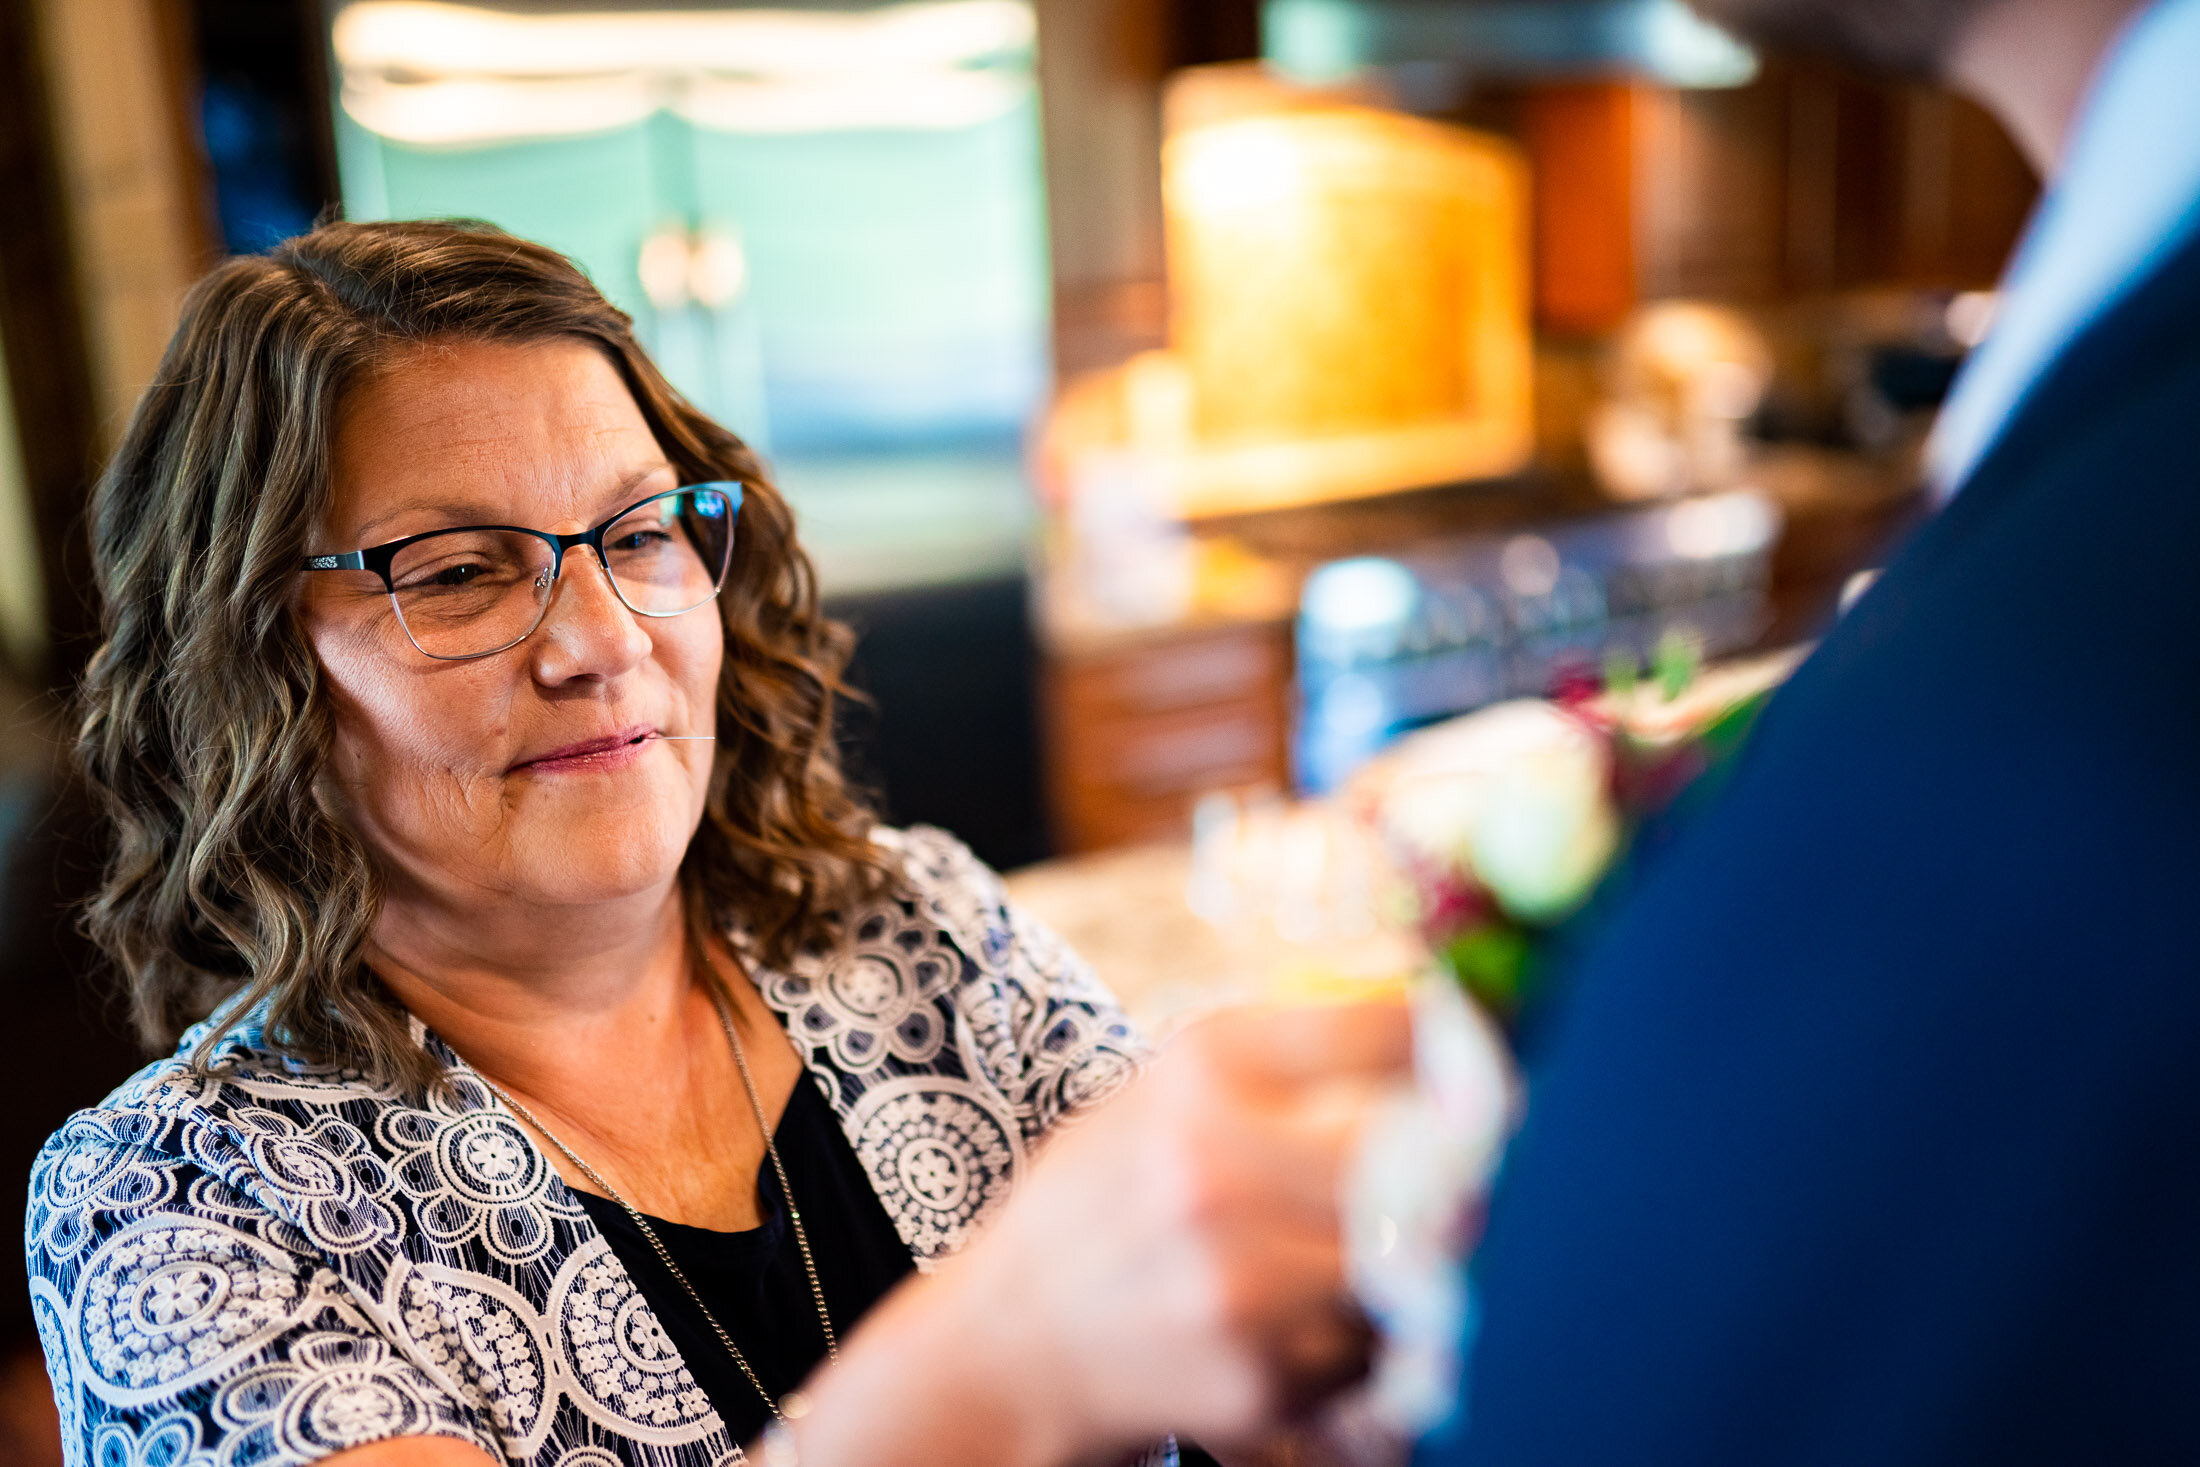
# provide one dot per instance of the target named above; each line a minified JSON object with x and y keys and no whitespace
{"x":1546,"y":832}
{"x":1519,"y":792}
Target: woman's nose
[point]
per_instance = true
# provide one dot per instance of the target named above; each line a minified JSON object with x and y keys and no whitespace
{"x":588,"y":630}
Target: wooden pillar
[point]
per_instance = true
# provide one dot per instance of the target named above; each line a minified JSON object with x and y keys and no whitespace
{"x":1101,"y":66}
{"x":42,"y":332}
{"x":132,"y":179}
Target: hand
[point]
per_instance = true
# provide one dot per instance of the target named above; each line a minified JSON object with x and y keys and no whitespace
{"x":1172,"y":1263}
{"x":1343,"y":1433}
{"x":1204,"y":1291}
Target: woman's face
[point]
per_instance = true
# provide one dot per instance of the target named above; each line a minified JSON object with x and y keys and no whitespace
{"x":517,"y":776}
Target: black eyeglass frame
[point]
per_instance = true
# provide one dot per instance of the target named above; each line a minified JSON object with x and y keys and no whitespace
{"x":379,"y":559}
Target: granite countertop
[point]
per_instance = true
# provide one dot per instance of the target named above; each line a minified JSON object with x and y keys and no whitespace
{"x":1128,"y":913}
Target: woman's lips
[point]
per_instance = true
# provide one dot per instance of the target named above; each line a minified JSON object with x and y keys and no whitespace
{"x":614,"y":751}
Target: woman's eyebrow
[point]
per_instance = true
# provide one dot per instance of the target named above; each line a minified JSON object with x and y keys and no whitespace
{"x":471,"y":513}
{"x":634,"y":480}
{"x":455,"y":514}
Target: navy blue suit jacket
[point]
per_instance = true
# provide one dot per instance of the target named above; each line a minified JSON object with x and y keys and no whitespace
{"x":1870,"y":1134}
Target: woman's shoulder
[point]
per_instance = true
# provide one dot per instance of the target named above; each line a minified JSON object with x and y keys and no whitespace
{"x":1043,"y":1023}
{"x":206,"y":1250}
{"x":320,"y":1164}
{"x":938,"y":873}
{"x":944,"y":882}
{"x":241,"y":1071}
{"x":238,"y":1119}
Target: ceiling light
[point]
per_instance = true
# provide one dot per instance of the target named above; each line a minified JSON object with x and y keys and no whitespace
{"x":421,"y":39}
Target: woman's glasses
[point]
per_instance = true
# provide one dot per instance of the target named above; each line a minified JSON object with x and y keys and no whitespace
{"x":479,"y":589}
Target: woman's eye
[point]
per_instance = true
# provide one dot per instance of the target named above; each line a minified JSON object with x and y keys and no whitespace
{"x":641,"y":540}
{"x":447,"y":577}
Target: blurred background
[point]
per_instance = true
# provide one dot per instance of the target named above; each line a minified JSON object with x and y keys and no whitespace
{"x":1183,"y":398}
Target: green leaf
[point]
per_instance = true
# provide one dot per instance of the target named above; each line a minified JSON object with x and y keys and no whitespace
{"x":1491,"y":962}
{"x":1676,"y":662}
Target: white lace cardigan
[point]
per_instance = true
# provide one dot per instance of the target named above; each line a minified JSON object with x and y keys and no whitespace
{"x":268,"y":1267}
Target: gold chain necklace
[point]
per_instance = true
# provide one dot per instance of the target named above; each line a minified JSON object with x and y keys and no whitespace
{"x":664,"y":1255}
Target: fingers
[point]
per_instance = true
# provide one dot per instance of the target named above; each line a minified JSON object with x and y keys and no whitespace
{"x":1308,"y":1341}
{"x":1183,"y":1245}
{"x":1298,"y":1044}
{"x":1318,"y":1355}
{"x":1273,"y":1163}
{"x":1264,"y":1319}
{"x":1288,"y":1275}
{"x":1263,"y":1106}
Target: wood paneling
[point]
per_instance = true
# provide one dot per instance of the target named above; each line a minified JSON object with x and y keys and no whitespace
{"x":1965,"y":191}
{"x":1136,"y":734}
{"x":1207,"y":31}
{"x":1102,"y":68}
{"x":1807,"y":181}
{"x":1711,"y":191}
{"x":1101,"y":64}
{"x":1581,"y":147}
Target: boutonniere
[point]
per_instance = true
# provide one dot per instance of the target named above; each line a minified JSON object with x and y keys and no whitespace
{"x":1499,"y":826}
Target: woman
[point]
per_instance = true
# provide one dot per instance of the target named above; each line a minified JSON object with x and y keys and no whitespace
{"x":586,"y":1064}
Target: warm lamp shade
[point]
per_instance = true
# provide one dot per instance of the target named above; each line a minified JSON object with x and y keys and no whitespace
{"x":1343,"y":272}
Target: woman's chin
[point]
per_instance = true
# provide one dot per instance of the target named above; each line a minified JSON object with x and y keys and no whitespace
{"x":598,"y":854}
{"x":615,"y":871}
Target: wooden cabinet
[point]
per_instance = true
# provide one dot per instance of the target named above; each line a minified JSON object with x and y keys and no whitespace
{"x":1805,"y":181}
{"x":1137,"y":730}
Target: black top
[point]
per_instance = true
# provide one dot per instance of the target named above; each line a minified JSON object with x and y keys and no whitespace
{"x":754,"y":1281}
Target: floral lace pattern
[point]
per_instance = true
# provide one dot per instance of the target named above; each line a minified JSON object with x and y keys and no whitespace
{"x":288,"y":1261}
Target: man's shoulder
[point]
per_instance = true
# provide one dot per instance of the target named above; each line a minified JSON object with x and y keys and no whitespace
{"x":2143,"y":349}
{"x":1985,"y":770}
{"x":1898,"y":1028}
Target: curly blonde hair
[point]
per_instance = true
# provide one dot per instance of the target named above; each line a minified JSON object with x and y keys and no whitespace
{"x":205,"y":724}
